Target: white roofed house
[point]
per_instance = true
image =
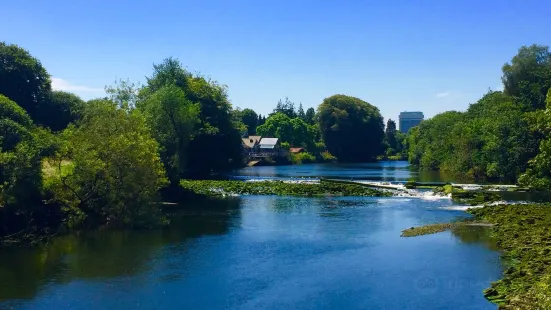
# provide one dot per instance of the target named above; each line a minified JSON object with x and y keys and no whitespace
{"x":271,"y":147}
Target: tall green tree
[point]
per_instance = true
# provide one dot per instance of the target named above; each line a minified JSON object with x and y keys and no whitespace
{"x":61,"y":109}
{"x":250,"y":119}
{"x":173,"y":119}
{"x":528,"y":76}
{"x":538,"y":175}
{"x":310,"y":115}
{"x":390,"y":135}
{"x":286,"y":107}
{"x":300,"y":112}
{"x":216,"y":146}
{"x":24,"y":80}
{"x":431,"y":144}
{"x":20,"y":170}
{"x":352,"y":129}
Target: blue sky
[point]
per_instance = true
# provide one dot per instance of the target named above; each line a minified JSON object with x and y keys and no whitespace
{"x":400,"y":55}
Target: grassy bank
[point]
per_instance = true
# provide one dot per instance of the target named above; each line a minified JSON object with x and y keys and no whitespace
{"x":221,"y":188}
{"x":523,"y":232}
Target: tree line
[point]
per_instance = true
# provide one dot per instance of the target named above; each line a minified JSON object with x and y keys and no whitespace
{"x":503,"y":136}
{"x":66,"y":161}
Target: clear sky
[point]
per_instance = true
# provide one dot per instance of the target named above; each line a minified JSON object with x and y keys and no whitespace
{"x":399,"y":55}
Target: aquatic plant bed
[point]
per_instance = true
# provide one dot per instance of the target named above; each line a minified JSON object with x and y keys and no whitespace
{"x":523,"y":232}
{"x":427,"y":229}
{"x":224,"y":188}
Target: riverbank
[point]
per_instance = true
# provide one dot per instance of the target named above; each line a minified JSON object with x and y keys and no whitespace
{"x":523,"y":233}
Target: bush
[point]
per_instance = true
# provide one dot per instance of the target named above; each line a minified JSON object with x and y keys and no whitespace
{"x":302,"y":158}
{"x":327,"y":157}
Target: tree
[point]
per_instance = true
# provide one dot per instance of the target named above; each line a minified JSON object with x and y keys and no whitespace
{"x":528,"y":76}
{"x":538,"y":175}
{"x":287,"y":108}
{"x":24,"y":80}
{"x":294,"y":131}
{"x":491,"y":140}
{"x":300,"y":112}
{"x":20,"y":171}
{"x":431,"y":143}
{"x":63,"y":108}
{"x":124,"y":93}
{"x":390,"y":135}
{"x":309,"y":117}
{"x":114,"y":171}
{"x":277,"y":125}
{"x":216,"y":146}
{"x":352,"y":129}
{"x":250,"y":119}
{"x":261,"y":120}
{"x":173,"y":119}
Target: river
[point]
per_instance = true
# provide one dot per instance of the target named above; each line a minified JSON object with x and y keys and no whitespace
{"x":266,"y":252}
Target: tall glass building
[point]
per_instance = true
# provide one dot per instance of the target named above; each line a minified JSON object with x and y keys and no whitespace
{"x":409,"y":120}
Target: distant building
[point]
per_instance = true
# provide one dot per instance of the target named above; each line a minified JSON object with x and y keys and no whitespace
{"x":296,"y":150}
{"x":409,"y":120}
{"x":251,"y":143}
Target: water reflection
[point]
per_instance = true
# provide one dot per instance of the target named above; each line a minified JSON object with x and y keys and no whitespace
{"x":259,"y":252}
{"x":475,"y":234}
{"x":377,"y":171}
{"x":107,"y":254}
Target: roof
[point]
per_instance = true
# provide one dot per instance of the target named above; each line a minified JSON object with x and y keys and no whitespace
{"x":411,"y":115}
{"x":268,"y":143}
{"x":296,"y":150}
{"x":251,"y":141}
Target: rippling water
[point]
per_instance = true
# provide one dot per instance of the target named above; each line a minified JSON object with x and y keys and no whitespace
{"x":264,"y":252}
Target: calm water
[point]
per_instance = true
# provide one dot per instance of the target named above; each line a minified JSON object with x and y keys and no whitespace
{"x":378,"y":171}
{"x":260,"y":252}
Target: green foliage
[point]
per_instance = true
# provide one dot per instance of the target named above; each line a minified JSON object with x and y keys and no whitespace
{"x":522,"y":232}
{"x":61,"y":109}
{"x":352,"y":129}
{"x":287,"y":108}
{"x":115,"y":169}
{"x":173,"y":119}
{"x":394,"y":141}
{"x":300,"y":112}
{"x":427,"y":229}
{"x":15,"y":124}
{"x":302,"y":158}
{"x":294,"y":131}
{"x":222,"y":188}
{"x":24,"y":81}
{"x":22,"y":146}
{"x":124,"y":93}
{"x":538,"y":175}
{"x":492,"y":140}
{"x":327,"y":157}
{"x":431,"y":143}
{"x":250,"y":119}
{"x":528,"y":77}
{"x":216,"y":144}
{"x":310,"y":116}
